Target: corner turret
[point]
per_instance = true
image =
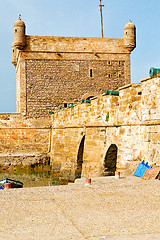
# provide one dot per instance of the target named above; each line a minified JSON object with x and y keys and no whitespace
{"x":19,"y":39}
{"x":130,"y":36}
{"x":19,"y":34}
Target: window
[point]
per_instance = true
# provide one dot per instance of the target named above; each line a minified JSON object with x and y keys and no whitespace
{"x":91,"y":73}
{"x":109,"y":75}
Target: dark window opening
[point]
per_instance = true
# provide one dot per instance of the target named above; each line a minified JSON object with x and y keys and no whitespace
{"x":13,"y":50}
{"x":119,"y":75}
{"x":91,"y":73}
{"x":15,"y":30}
{"x":109,"y":62}
{"x":139,"y":93}
{"x":109,"y":75}
{"x":119,"y":63}
{"x":65,"y":104}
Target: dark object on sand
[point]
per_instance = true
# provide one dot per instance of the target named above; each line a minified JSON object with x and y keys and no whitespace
{"x":14,"y":183}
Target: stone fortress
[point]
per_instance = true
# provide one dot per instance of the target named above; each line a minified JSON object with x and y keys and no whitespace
{"x":54,"y":71}
{"x":108,"y":131}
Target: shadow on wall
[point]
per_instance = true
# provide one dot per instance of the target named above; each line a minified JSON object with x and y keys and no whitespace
{"x":80,"y":159}
{"x":110,"y":161}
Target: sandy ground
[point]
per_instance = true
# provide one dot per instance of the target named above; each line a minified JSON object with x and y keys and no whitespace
{"x":127,"y":208}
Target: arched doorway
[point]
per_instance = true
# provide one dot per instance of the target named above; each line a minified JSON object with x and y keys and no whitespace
{"x":110,"y":161}
{"x":80,"y":159}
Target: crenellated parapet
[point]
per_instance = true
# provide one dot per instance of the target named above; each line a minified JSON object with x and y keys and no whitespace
{"x":137,"y":104}
{"x":111,"y":132}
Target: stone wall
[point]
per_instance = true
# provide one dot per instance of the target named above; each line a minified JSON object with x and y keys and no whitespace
{"x":78,"y":138}
{"x":53,"y":71}
{"x":23,"y":141}
{"x":65,"y":147}
{"x":131,"y":121}
{"x":66,"y":81}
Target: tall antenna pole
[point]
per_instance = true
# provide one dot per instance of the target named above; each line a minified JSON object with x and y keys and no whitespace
{"x":101,"y":17}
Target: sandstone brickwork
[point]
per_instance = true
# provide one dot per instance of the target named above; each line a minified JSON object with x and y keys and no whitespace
{"x":23,"y":141}
{"x":130,"y":121}
{"x":81,"y":139}
{"x":66,"y":81}
{"x":89,"y":139}
{"x":55,"y":71}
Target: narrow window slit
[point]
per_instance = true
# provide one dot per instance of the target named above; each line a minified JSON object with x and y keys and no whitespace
{"x":91,"y":73}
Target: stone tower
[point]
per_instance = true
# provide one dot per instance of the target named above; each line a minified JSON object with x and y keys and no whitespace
{"x":19,"y":39}
{"x":19,"y":34}
{"x":130,"y":35}
{"x":57,"y":71}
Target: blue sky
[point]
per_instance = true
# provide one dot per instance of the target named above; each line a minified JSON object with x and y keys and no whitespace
{"x":78,"y":18}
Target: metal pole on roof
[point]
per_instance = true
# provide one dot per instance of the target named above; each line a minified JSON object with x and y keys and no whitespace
{"x":101,"y":17}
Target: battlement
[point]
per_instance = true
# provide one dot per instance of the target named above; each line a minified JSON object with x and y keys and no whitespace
{"x":137,"y":104}
{"x":115,"y":132}
{"x":75,"y":44}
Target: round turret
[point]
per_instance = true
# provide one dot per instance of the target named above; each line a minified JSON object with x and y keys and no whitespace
{"x":19,"y":34}
{"x":130,"y":35}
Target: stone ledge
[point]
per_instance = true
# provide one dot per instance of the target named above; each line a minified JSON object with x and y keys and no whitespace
{"x":126,"y":86}
{"x":146,"y":79}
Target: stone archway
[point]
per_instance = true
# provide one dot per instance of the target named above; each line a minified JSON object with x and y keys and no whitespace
{"x":110,"y":161}
{"x":90,"y":95}
{"x":80,"y":159}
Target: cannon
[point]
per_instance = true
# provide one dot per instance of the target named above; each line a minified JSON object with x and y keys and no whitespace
{"x":154,"y":72}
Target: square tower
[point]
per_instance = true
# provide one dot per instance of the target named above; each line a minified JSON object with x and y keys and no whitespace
{"x":52,"y":71}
